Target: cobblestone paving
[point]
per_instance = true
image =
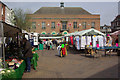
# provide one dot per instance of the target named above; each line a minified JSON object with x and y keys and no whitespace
{"x":74,"y":65}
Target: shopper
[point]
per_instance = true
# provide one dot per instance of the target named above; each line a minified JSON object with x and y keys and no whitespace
{"x":27,"y":54}
{"x":48,"y":45}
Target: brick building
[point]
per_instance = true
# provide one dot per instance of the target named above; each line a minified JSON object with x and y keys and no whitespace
{"x":63,"y":20}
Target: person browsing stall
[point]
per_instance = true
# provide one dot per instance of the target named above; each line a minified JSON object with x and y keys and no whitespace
{"x":27,"y":54}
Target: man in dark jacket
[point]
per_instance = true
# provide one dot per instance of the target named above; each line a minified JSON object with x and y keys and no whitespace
{"x":27,"y":54}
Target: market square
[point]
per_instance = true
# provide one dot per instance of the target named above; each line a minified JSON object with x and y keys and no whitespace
{"x":74,"y":66}
{"x":59,"y":40}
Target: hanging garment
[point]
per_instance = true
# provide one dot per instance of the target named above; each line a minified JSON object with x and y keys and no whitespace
{"x":74,"y":41}
{"x":62,"y":46}
{"x":94,"y":41}
{"x":101,"y":43}
{"x":63,"y":51}
{"x":83,"y":41}
{"x":71,"y":39}
{"x":77,"y":42}
{"x":88,"y":40}
{"x":67,"y":39}
{"x":104,"y":41}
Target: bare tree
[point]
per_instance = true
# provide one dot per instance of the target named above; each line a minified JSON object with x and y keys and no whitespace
{"x":21,"y":19}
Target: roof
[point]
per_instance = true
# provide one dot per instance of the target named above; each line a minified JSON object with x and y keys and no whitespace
{"x":116,"y":18}
{"x":5,"y":5}
{"x":10,"y":30}
{"x":64,"y":10}
{"x":106,"y":26}
{"x":116,"y":33}
{"x":86,"y":32}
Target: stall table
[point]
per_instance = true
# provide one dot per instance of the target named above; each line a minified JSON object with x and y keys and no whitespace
{"x":95,"y":50}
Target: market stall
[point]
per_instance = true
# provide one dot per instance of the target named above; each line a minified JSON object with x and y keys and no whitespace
{"x":116,"y":40}
{"x":86,"y":37}
{"x":91,"y":40}
{"x":12,"y":64}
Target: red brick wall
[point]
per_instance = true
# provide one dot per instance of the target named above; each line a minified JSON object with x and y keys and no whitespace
{"x":71,"y":29}
{"x":2,"y":17}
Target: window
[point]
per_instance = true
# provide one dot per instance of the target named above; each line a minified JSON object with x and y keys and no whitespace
{"x":117,"y":23}
{"x":53,"y":25}
{"x":84,"y":25}
{"x":74,"y":25}
{"x":92,"y":24}
{"x":33,"y":25}
{"x":64,"y":25}
{"x":43,"y":25}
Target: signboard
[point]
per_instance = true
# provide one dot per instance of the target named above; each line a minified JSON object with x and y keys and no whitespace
{"x":35,"y":39}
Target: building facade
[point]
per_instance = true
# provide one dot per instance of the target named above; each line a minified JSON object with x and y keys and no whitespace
{"x":63,"y":20}
{"x":116,"y":24}
{"x":6,"y":14}
{"x":106,"y":29}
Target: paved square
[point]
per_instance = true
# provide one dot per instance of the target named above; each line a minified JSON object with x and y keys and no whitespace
{"x":74,"y":65}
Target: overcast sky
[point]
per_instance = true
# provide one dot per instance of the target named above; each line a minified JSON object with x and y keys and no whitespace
{"x":107,"y":10}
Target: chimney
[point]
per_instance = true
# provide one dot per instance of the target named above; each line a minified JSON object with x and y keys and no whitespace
{"x":62,"y":4}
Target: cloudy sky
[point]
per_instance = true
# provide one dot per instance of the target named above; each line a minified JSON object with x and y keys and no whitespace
{"x":107,"y":10}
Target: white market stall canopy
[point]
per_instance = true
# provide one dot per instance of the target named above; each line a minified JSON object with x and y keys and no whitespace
{"x":86,"y":32}
{"x":50,"y":37}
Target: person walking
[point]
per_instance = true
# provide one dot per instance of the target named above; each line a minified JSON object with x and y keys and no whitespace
{"x":48,"y":45}
{"x":27,"y":54}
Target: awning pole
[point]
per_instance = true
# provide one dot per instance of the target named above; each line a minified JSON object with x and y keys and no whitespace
{"x":3,"y":52}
